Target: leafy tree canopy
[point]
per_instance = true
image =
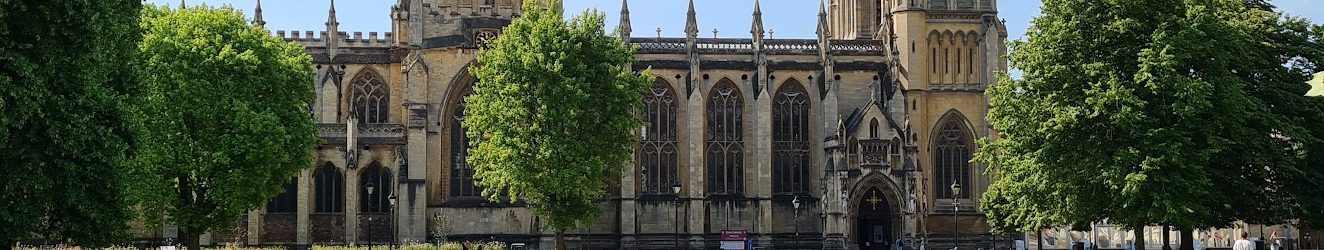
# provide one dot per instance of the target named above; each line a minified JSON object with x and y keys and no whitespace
{"x":1183,"y":113}
{"x":552,"y":115}
{"x":224,"y":118}
{"x":63,"y":127}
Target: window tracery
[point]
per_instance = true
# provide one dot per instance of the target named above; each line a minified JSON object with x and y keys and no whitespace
{"x":790,"y":139}
{"x":725,"y":140}
{"x":657,"y":146}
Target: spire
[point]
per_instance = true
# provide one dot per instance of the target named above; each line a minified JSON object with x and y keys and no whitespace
{"x":332,"y":36}
{"x":257,"y":15}
{"x":757,"y":27}
{"x":181,"y":4}
{"x":331,"y":15}
{"x":823,"y":32}
{"x":691,"y":25}
{"x":625,"y":19}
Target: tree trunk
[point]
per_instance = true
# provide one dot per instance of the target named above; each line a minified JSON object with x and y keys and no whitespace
{"x":1166,"y":233}
{"x":193,"y":240}
{"x":1187,"y":241}
{"x":1139,"y":232}
{"x":560,"y":240}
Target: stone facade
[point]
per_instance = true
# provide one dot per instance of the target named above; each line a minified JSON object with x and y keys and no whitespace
{"x":847,"y":141}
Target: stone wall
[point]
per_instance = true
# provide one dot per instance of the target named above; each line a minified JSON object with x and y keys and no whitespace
{"x":327,"y":228}
{"x":279,"y":228}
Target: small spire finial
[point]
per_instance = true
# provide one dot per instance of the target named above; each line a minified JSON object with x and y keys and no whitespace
{"x":181,"y":4}
{"x":257,"y":15}
{"x":823,"y":32}
{"x":757,"y":27}
{"x":625,"y":28}
{"x":659,"y":32}
{"x":714,"y":33}
{"x":691,"y":24}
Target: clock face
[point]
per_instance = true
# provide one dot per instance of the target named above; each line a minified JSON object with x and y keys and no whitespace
{"x":483,"y":37}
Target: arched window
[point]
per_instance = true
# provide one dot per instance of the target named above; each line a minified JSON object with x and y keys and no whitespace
{"x":657,"y":145}
{"x":725,"y":140}
{"x":369,"y":98}
{"x":790,"y":139}
{"x":462,"y":175}
{"x":380,"y":178}
{"x":951,"y":156}
{"x":873,"y":128}
{"x":328,"y":190}
{"x":287,"y":201}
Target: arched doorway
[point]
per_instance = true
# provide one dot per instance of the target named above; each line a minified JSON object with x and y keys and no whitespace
{"x":873,"y":221}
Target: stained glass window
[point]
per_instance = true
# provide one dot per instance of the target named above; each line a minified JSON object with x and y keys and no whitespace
{"x":790,"y":139}
{"x":952,"y":157}
{"x":462,"y":175}
{"x":328,"y":190}
{"x":369,"y":99}
{"x":657,"y":145}
{"x":380,"y":179}
{"x":725,"y":139}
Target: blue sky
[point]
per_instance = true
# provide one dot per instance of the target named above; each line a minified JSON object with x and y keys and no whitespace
{"x":787,"y":18}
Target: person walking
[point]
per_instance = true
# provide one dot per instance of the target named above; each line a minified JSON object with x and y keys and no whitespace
{"x":1243,"y":243}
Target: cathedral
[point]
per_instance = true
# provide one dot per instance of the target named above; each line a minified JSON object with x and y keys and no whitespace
{"x":858,"y":139}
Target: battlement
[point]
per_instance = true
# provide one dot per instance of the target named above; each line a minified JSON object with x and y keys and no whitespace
{"x":307,"y":38}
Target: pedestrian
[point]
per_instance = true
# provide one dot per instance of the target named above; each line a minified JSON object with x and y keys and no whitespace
{"x":1243,"y":243}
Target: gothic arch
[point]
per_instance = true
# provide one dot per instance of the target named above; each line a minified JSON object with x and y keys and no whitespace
{"x":724,"y":151}
{"x":889,"y":195}
{"x":456,"y":147}
{"x":951,"y":147}
{"x":791,"y":153}
{"x":370,"y":97}
{"x":658,"y":154}
{"x":383,"y":185}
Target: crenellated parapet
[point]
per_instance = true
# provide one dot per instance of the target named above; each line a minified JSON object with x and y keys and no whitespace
{"x":357,"y":40}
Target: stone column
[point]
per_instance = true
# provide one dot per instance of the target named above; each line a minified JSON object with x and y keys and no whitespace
{"x":628,"y":206}
{"x":352,"y":204}
{"x":253,"y":233}
{"x":411,"y":204}
{"x":762,"y":153}
{"x":302,"y":209}
{"x":695,"y":185}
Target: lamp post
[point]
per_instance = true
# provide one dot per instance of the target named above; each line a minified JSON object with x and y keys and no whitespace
{"x":369,"y":188}
{"x":956,"y":205}
{"x":795,"y":203}
{"x":394,"y":229}
{"x":675,"y":189}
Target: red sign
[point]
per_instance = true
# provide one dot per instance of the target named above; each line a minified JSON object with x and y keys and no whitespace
{"x":734,"y":235}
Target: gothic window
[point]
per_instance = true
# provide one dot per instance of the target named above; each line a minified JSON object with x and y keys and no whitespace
{"x":951,"y":156}
{"x":972,"y":65}
{"x":895,"y":149}
{"x":873,"y":128}
{"x":725,"y":148}
{"x":286,"y":201}
{"x":790,"y":139}
{"x":328,"y":190}
{"x":934,"y":58}
{"x":369,"y":98}
{"x":657,"y":147}
{"x":462,"y":175}
{"x":380,"y":179}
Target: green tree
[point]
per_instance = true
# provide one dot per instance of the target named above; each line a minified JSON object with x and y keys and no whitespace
{"x":224,"y":116}
{"x":1145,"y":113}
{"x":552,"y":115}
{"x":63,"y":127}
